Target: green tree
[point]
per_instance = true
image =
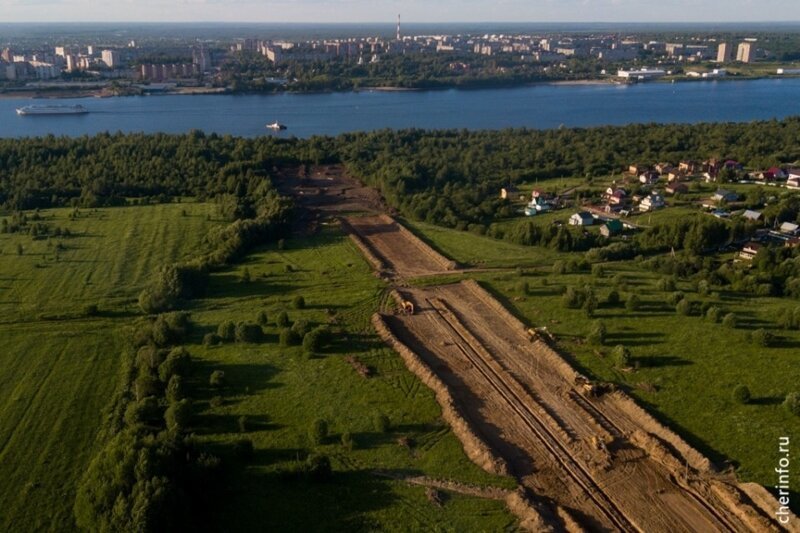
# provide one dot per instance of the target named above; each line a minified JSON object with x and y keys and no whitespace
{"x":622,"y":356}
{"x":178,"y":415}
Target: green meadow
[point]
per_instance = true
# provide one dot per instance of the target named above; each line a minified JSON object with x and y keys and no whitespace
{"x":61,"y":367}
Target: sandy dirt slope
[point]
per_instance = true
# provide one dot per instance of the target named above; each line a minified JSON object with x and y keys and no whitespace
{"x":598,"y":458}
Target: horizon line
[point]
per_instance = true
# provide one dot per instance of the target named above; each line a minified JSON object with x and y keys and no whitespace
{"x":384,"y":21}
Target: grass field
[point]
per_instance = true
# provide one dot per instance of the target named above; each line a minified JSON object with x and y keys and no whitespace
{"x":688,"y":366}
{"x":281,"y":392}
{"x":59,"y":368}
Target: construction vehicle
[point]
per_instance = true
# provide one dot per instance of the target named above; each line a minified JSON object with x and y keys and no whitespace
{"x":408,"y":307}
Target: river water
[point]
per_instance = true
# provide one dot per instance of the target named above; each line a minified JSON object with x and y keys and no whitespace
{"x":536,"y":106}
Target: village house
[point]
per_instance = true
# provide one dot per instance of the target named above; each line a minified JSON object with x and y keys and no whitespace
{"x":616,"y":196}
{"x":724,"y":195}
{"x":675,"y":175}
{"x":611,"y":228}
{"x":648,"y":178}
{"x":790,"y":228}
{"x":749,"y":251}
{"x":664,"y":168}
{"x":751,"y":215}
{"x":652,"y":202}
{"x":677,"y":188}
{"x":793,"y":182}
{"x":636,"y":170}
{"x":582,"y":218}
{"x":688,"y":166}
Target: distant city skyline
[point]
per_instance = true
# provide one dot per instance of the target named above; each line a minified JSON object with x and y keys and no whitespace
{"x":364,"y":11}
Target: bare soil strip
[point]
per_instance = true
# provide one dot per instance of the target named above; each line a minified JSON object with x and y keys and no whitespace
{"x":597,"y":459}
{"x":396,"y":247}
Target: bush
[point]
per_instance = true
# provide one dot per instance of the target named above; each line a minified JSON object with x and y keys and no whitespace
{"x":318,"y":431}
{"x":311,"y":342}
{"x":789,"y":318}
{"x":287,"y":337}
{"x":217,"y":378}
{"x":246,"y":332}
{"x":216,"y":401}
{"x":590,"y":305}
{"x":598,"y":271}
{"x":300,"y":328}
{"x":347,"y":441}
{"x":174,"y":390}
{"x":282,"y":320}
{"x":762,"y":337}
{"x":597,"y":335}
{"x":684,"y":307}
{"x":741,"y":394}
{"x":559,"y":267}
{"x":730,"y":321}
{"x":666,"y":285}
{"x":227,"y":330}
{"x":792,"y":403}
{"x":633,"y":303}
{"x":703,"y":287}
{"x":318,"y":467}
{"x":713,"y":314}
{"x":298,"y":302}
{"x":211,"y":339}
{"x":176,"y":363}
{"x":523,"y":288}
{"x":613,"y":298}
{"x":242,"y":422}
{"x":145,"y":411}
{"x":261,"y":318}
{"x":178,"y":415}
{"x":91,"y":310}
{"x":380,"y":423}
{"x":622,"y":356}
{"x":675,"y":298}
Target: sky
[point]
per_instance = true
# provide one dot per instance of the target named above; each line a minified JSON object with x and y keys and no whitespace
{"x":387,"y":10}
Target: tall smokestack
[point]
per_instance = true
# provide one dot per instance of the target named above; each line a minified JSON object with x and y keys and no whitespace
{"x":398,"y":27}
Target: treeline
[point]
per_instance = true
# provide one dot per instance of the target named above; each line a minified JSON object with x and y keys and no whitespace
{"x":150,"y":474}
{"x":453,"y":178}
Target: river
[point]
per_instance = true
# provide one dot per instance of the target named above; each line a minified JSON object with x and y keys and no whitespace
{"x":536,"y":106}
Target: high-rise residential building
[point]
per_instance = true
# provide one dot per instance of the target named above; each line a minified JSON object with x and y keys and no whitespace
{"x":7,"y":55}
{"x":724,"y":52}
{"x":111,"y":58}
{"x":72,"y":63}
{"x":90,"y":50}
{"x":201,"y":58}
{"x":745,"y":52}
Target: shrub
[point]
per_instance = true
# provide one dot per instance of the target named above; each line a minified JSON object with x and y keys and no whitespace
{"x":713,"y":314}
{"x":227,"y":330}
{"x":613,"y":298}
{"x":597,"y":335}
{"x":380,"y":423}
{"x":216,"y":401}
{"x":318,"y":431}
{"x":789,"y":318}
{"x":703,"y":287}
{"x":287,"y":337}
{"x":590,"y":305}
{"x":792,"y":403}
{"x":282,"y":320}
{"x":242,"y":422}
{"x":211,"y":339}
{"x":559,"y":267}
{"x":318,"y":467}
{"x":762,"y":337}
{"x":666,"y":284}
{"x":217,"y":378}
{"x":178,"y":415}
{"x":523,"y":288}
{"x":311,"y":342}
{"x":145,"y":385}
{"x":622,"y":356}
{"x":633,"y":303}
{"x":298,"y":302}
{"x":741,"y":394}
{"x":347,"y":440}
{"x":145,"y":411}
{"x":598,"y":271}
{"x":684,"y":307}
{"x":247,"y":332}
{"x":91,"y":310}
{"x":174,"y":390}
{"x":730,"y":321}
{"x":300,"y":328}
{"x":246,"y":277}
{"x":261,"y":318}
{"x":176,"y":363}
{"x":675,"y":298}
